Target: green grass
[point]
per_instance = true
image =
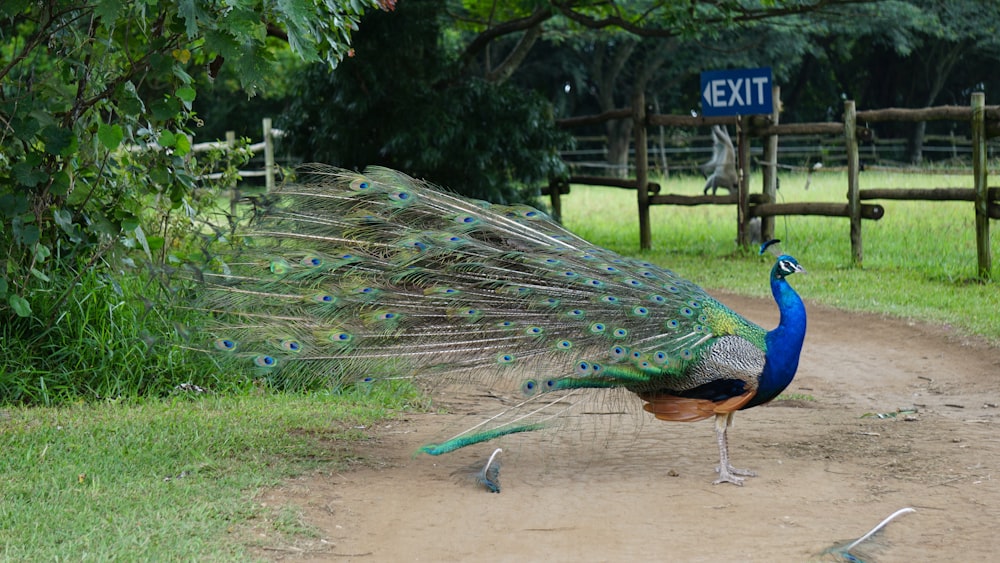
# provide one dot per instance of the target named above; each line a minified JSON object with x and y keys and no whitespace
{"x":168,"y":480}
{"x":919,"y":259}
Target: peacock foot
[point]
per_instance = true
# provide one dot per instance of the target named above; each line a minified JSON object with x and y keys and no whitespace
{"x":732,"y":475}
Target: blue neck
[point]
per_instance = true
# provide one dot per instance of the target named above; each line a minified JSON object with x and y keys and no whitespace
{"x":784,"y":343}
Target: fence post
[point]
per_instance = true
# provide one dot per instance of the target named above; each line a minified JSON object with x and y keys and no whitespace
{"x":234,"y":200}
{"x":743,"y":186}
{"x":555,"y":192}
{"x":641,"y":167}
{"x":979,"y":186}
{"x":268,"y":155}
{"x":853,"y":199}
{"x":770,"y":171}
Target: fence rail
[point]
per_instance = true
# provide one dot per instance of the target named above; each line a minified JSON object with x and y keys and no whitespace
{"x":846,"y":136}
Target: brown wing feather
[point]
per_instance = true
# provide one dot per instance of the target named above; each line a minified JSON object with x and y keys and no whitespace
{"x":684,"y":409}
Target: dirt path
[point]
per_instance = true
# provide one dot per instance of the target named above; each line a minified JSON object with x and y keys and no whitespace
{"x":643,"y":492}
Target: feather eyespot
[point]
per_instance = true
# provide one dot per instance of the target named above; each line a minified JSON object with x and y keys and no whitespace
{"x":529,"y":387}
{"x":619,"y":352}
{"x":265,"y":361}
{"x":340,"y":337}
{"x":312,"y":261}
{"x":360,"y":184}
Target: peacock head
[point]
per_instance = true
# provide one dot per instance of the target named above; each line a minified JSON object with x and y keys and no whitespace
{"x":786,"y":265}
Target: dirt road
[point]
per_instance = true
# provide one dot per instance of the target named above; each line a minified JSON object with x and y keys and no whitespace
{"x":643,"y":491}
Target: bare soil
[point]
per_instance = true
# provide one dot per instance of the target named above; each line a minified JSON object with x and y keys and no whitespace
{"x":829,"y":470}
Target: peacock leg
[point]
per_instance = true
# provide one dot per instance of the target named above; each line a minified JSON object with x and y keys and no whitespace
{"x":727,"y":473}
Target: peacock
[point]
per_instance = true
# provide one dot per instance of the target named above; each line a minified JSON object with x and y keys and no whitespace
{"x":354,"y":277}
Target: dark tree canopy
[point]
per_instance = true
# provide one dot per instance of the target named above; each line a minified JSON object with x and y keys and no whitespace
{"x":400,"y":102}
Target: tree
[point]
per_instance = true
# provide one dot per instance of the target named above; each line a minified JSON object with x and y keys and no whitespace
{"x":402,"y":102}
{"x":96,"y":113}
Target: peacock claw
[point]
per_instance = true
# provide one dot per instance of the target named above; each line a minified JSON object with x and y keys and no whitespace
{"x":741,"y":472}
{"x":727,"y":478}
{"x":733,"y":475}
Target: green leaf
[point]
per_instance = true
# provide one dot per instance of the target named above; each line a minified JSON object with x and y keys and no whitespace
{"x":20,"y":305}
{"x":59,"y":141}
{"x":38,"y":274}
{"x":25,"y":127}
{"x":159,"y":175}
{"x":27,"y":175}
{"x":108,"y":10}
{"x":12,"y":205}
{"x":186,"y":94}
{"x":182,"y":146}
{"x":167,"y":139}
{"x":28,"y":234}
{"x":11,"y":8}
{"x":141,"y":237}
{"x":3,"y":287}
{"x":155,"y":243}
{"x":130,"y":224}
{"x":111,"y":136}
{"x":166,"y":109}
{"x":60,"y":183}
{"x":41,"y":252}
{"x":128,"y":101}
{"x":188,"y":11}
{"x":64,"y":219}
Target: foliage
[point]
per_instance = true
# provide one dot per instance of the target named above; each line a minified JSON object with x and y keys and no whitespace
{"x":97,"y":174}
{"x":399,"y":103}
{"x":95,"y":94}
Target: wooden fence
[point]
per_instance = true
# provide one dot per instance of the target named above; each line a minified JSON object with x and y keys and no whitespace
{"x":985,"y":121}
{"x":270,"y":170}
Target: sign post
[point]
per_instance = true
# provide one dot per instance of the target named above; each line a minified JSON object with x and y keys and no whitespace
{"x":744,"y":91}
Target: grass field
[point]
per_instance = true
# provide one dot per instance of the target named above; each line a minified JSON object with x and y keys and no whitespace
{"x":919,"y":259}
{"x":175,"y":479}
{"x":168,"y":480}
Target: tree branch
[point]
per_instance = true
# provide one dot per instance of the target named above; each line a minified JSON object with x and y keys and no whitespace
{"x":506,"y":28}
{"x":504,"y":70}
{"x":568,"y":8}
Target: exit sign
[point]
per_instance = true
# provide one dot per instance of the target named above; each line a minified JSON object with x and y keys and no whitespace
{"x":744,"y":91}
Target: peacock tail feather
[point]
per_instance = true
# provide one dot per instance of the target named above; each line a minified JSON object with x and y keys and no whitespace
{"x":349,"y":277}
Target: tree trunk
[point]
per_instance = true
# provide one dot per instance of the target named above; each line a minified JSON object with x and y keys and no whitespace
{"x":619,"y":132}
